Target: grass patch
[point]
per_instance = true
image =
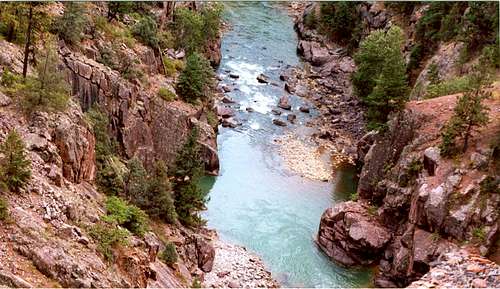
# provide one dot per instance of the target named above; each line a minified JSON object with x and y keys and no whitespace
{"x":166,"y":94}
{"x":169,"y":254}
{"x":452,"y":86}
{"x":108,"y":236}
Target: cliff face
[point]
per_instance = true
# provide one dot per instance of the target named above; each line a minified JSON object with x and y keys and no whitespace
{"x":46,"y":240}
{"x":412,"y":204}
{"x":423,"y":203}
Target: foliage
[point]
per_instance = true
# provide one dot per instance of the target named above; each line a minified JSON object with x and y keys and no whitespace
{"x":166,"y":94}
{"x":49,"y":90}
{"x":196,"y":79}
{"x":354,"y":196}
{"x":9,"y":79}
{"x":481,"y":24}
{"x":490,"y":185}
{"x":116,"y":32}
{"x":172,"y":65}
{"x":108,"y":236}
{"x":4,"y":209}
{"x":159,"y":201}
{"x":451,"y":86}
{"x":194,"y":29}
{"x":15,"y":166}
{"x":110,"y":170}
{"x":189,"y":198}
{"x":340,"y":19}
{"x":433,"y":73}
{"x":128,"y":216}
{"x":212,"y":119}
{"x":147,"y":31}
{"x":311,"y":20}
{"x":479,"y":234}
{"x":380,"y":79}
{"x":70,"y":26}
{"x":116,"y":8}
{"x":469,"y":113}
{"x":169,"y":254}
{"x":196,"y":283}
{"x":136,"y":180}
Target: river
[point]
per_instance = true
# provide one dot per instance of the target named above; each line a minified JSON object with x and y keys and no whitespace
{"x":255,"y":201}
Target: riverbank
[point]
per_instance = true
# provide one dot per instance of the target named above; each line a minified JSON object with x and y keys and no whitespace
{"x":235,"y":267}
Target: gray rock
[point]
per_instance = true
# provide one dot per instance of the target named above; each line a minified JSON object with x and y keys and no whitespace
{"x":283,"y":103}
{"x":291,"y":117}
{"x":261,"y":78}
{"x":478,"y":161}
{"x":4,"y":99}
{"x":431,"y":160}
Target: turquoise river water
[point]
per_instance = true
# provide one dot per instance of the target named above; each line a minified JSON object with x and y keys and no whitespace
{"x":255,"y":201}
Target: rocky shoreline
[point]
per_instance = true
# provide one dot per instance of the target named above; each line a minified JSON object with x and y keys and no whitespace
{"x":235,"y":267}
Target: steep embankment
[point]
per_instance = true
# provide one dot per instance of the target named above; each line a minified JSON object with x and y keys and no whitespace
{"x":412,"y":204}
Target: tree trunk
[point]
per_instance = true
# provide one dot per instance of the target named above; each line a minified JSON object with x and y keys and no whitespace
{"x":466,"y":138}
{"x":28,"y":41}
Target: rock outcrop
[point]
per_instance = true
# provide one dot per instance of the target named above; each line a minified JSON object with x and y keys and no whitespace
{"x":350,"y":235}
{"x":144,"y":125}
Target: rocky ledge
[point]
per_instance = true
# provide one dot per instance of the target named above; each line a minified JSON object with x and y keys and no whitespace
{"x":461,"y":269}
{"x":235,"y":267}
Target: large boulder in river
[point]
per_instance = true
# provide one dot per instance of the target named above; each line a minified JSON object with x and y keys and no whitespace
{"x":313,"y":52}
{"x":283,"y":103}
{"x":351,"y":235}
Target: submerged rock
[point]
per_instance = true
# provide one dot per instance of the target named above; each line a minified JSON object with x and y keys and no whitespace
{"x":279,"y":122}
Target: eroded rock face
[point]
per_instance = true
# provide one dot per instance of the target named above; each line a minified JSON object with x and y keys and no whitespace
{"x":350,"y":235}
{"x":145,"y":126}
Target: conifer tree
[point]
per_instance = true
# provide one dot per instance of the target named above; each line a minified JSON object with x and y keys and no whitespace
{"x":15,"y":166}
{"x":195,"y":79}
{"x":189,"y":198}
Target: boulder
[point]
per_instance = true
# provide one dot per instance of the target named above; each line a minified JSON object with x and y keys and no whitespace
{"x":229,"y":122}
{"x":279,"y":122}
{"x":275,"y":112}
{"x":478,"y":160}
{"x":4,"y":99}
{"x":350,"y":235}
{"x":227,"y":100}
{"x":206,"y":254}
{"x":431,"y":159}
{"x":283,"y":103}
{"x":291,"y":117}
{"x":304,"y":109}
{"x":224,"y":112}
{"x":235,"y":76}
{"x":261,"y":78}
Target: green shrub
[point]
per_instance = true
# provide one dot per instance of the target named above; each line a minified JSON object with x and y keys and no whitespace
{"x":433,"y":73}
{"x":108,"y":236}
{"x":172,"y":66}
{"x":166,"y":94}
{"x":9,"y":79}
{"x":4,"y":209}
{"x":490,"y":185}
{"x":212,"y":119}
{"x":147,"y":31}
{"x":169,"y":254}
{"x":71,"y":24}
{"x":15,"y":166}
{"x":354,"y":197}
{"x":111,"y":175}
{"x":196,"y":283}
{"x":447,"y":87}
{"x":479,"y":234}
{"x":129,"y":216}
{"x":196,"y":79}
{"x":311,"y":20}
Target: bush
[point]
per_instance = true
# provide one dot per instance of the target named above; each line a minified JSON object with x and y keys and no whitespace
{"x":380,"y":79}
{"x":71,"y":24}
{"x":433,"y":73}
{"x":452,"y":86}
{"x":129,"y":216}
{"x":212,"y":119}
{"x":147,"y":31}
{"x":196,"y":79}
{"x":136,"y":180}
{"x":172,"y":66}
{"x":166,"y":94}
{"x":110,"y":175}
{"x":108,"y":236}
{"x":4,"y":209}
{"x":15,"y":166}
{"x":49,"y":91}
{"x":169,"y":254}
{"x":9,"y":79}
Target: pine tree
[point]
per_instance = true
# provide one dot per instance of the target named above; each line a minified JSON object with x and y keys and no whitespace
{"x":15,"y":166}
{"x":469,"y":114}
{"x":195,"y":79}
{"x":71,"y":24}
{"x":189,"y":198}
{"x":136,"y":181}
{"x":160,"y":200}
{"x":381,"y":76}
{"x":49,"y":89}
